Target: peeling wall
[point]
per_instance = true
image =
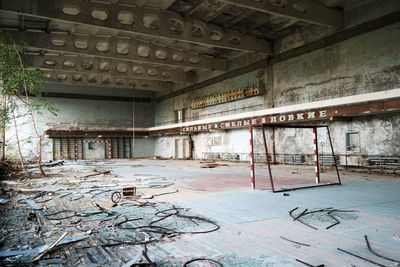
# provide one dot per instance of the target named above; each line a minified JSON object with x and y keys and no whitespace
{"x":364,"y":64}
{"x":379,"y":135}
{"x":76,"y":114}
{"x":165,"y":109}
{"x":144,"y":147}
{"x":369,"y":62}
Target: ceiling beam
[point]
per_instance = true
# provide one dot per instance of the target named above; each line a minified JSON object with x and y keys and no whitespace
{"x":141,"y":3}
{"x":310,"y":11}
{"x":244,"y":14}
{"x":166,"y":4}
{"x":198,"y":4}
{"x":106,"y":66}
{"x":116,"y":48}
{"x":259,"y":21}
{"x":148,"y":22}
{"x":216,"y":13}
{"x":109,"y":81}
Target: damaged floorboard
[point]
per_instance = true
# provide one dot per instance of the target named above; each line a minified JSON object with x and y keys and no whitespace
{"x":187,"y":216}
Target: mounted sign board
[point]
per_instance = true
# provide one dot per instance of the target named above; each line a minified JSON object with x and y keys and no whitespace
{"x":250,"y":91}
{"x":275,"y":119}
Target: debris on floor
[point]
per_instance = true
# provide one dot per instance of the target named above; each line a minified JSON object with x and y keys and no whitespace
{"x":321,"y":216}
{"x":213,"y":165}
{"x":75,"y":222}
{"x":163,"y":218}
{"x":96,"y":172}
{"x":52,"y":164}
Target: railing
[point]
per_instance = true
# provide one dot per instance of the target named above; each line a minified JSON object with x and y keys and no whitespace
{"x":344,"y":160}
{"x":383,"y":161}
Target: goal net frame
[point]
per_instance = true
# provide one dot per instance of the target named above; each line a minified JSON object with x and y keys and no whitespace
{"x":316,"y":156}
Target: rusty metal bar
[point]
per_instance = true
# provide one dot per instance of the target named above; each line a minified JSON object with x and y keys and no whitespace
{"x":304,"y":187}
{"x":357,"y":256}
{"x":376,"y":254}
{"x":268,"y":163}
{"x":333,"y":154}
{"x":298,"y":243}
{"x":298,"y":219}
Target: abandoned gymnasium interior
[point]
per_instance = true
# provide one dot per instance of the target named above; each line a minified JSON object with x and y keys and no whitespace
{"x":200,"y":133}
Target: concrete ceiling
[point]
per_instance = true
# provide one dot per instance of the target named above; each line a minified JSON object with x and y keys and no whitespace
{"x":151,"y":44}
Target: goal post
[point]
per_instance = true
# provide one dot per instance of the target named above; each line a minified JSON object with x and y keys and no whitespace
{"x":267,"y":154}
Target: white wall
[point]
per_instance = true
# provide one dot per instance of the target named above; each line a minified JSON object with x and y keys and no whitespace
{"x":74,"y":114}
{"x":379,"y":135}
{"x":144,"y":147}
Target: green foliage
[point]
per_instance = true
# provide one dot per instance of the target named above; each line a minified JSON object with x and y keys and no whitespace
{"x":21,"y":81}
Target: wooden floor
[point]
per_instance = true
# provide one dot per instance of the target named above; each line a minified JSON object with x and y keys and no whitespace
{"x":254,"y":225}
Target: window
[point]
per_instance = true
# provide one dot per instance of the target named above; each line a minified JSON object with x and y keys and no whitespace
{"x":353,"y":142}
{"x":179,"y":115}
{"x":91,"y":145}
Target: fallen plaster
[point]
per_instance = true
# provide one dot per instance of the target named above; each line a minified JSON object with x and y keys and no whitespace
{"x":195,"y":213}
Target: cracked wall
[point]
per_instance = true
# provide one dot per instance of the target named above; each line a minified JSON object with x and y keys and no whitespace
{"x":369,"y":62}
{"x":79,"y":114}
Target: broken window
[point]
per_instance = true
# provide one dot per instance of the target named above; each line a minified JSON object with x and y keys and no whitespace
{"x":353,"y":142}
{"x":91,"y":145}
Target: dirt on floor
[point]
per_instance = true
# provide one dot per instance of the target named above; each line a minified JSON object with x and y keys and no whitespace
{"x":79,"y":215}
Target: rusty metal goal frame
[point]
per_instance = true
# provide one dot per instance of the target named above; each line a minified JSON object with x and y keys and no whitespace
{"x":316,"y":156}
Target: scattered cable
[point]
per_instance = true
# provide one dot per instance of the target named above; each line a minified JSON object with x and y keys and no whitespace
{"x":48,"y":216}
{"x":186,"y":264}
{"x":144,"y":253}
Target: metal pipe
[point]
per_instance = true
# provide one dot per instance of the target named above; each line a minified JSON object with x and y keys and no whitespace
{"x":268,"y":163}
{"x":376,"y":254}
{"x":333,"y":154}
{"x":354,"y":255}
{"x":304,"y":187}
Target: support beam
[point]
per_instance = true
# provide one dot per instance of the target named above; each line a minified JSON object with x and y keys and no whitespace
{"x":141,"y":3}
{"x":115,"y":48}
{"x":336,"y":38}
{"x":216,"y":13}
{"x":109,"y":81}
{"x":142,"y":21}
{"x":107,"y":66}
{"x":310,"y":11}
{"x":166,"y":4}
{"x":198,"y":4}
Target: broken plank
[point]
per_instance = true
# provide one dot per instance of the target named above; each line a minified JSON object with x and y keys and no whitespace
{"x":49,"y":248}
{"x":33,"y":204}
